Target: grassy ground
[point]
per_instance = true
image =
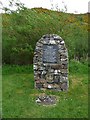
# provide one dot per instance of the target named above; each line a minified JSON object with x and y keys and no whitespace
{"x":19,"y":94}
{"x":0,"y":93}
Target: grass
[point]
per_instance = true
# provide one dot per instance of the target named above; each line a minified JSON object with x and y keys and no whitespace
{"x":19,"y":94}
{"x":0,"y":93}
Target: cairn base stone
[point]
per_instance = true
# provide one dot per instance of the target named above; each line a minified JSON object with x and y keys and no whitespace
{"x":46,"y":100}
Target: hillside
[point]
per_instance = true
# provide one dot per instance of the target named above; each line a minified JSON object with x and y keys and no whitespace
{"x":22,"y":30}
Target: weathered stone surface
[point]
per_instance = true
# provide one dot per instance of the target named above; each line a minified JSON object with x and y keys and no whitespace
{"x":51,"y":63}
{"x":46,"y":100}
{"x":64,"y":86}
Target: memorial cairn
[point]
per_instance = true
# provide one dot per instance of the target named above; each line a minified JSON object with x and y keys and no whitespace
{"x":50,"y":63}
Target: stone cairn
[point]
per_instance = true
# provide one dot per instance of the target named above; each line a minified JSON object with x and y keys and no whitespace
{"x":51,"y":72}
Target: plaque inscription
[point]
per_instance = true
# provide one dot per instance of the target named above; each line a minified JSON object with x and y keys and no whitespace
{"x":50,"y":53}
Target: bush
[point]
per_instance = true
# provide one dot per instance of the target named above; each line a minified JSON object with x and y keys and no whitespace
{"x":22,"y":30}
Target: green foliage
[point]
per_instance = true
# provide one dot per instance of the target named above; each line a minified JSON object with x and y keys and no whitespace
{"x":22,"y":30}
{"x":16,"y":69}
{"x":76,"y":67}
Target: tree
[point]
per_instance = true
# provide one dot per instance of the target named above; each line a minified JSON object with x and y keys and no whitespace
{"x":14,"y":6}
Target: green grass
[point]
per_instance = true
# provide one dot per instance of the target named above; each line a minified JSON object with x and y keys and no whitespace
{"x":0,"y":94}
{"x":19,"y":94}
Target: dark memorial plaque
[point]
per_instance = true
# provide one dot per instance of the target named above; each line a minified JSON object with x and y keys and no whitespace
{"x":50,"y":53}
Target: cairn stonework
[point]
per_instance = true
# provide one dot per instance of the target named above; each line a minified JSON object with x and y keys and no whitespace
{"x":50,"y":63}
